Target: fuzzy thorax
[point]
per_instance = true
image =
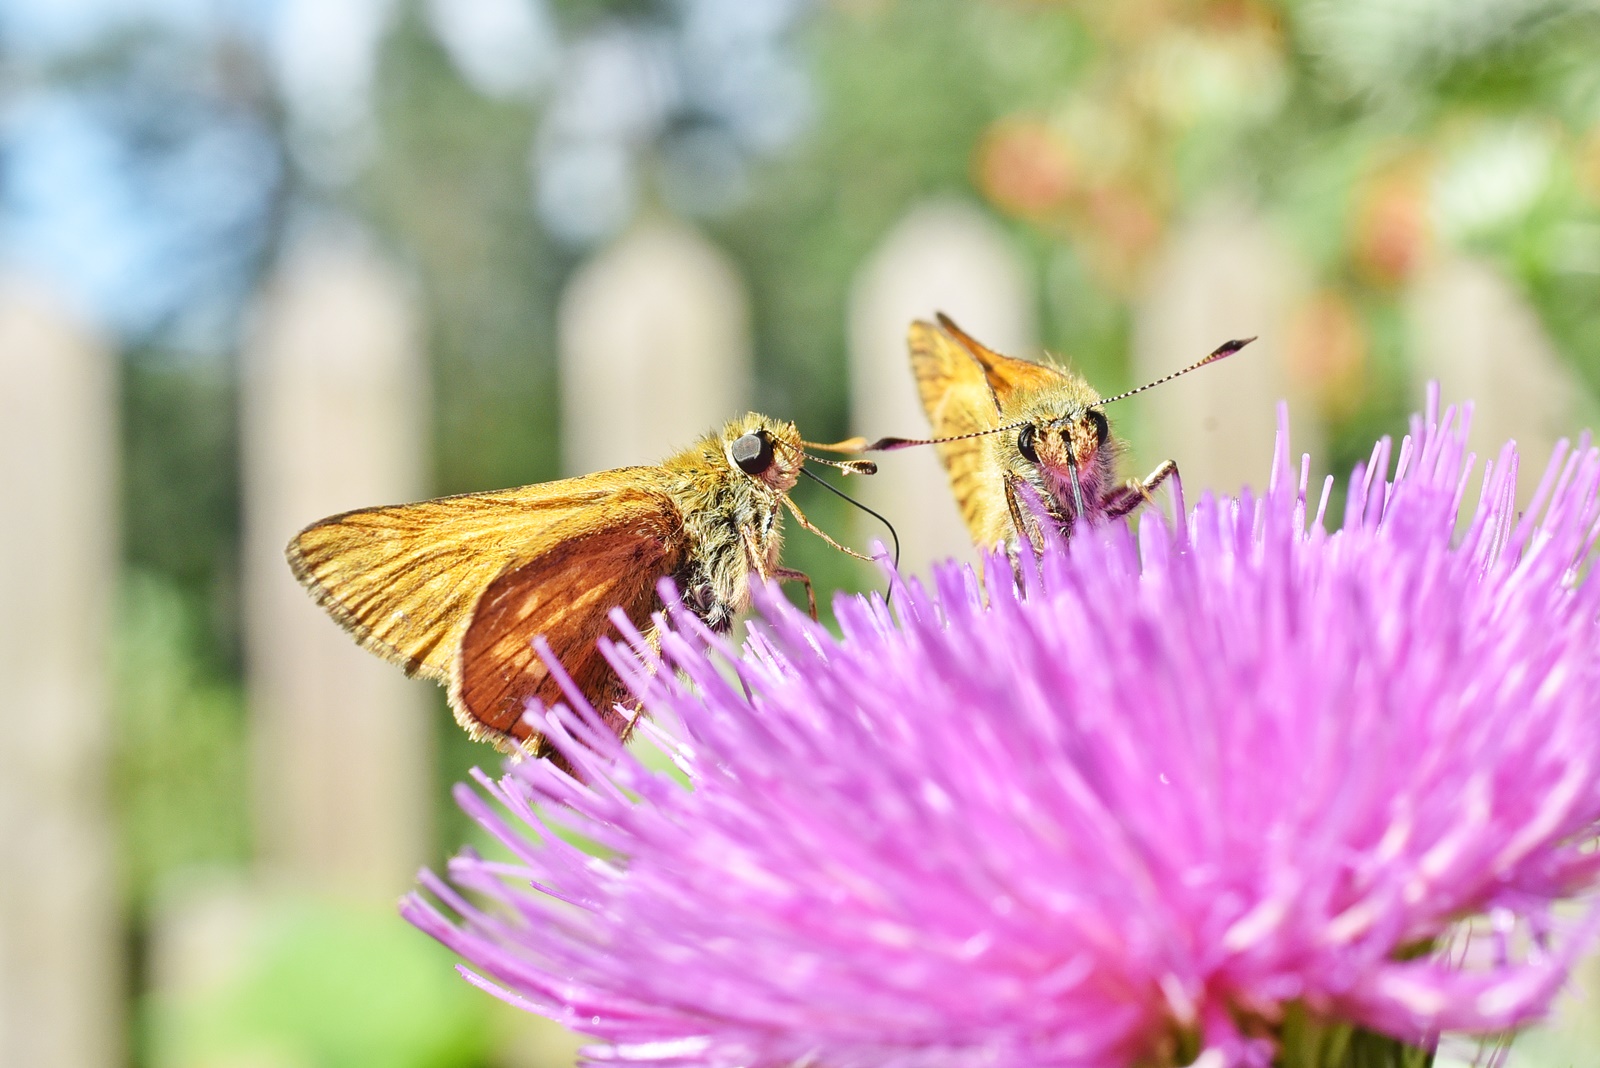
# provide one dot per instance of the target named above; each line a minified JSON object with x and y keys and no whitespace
{"x":732,"y":518}
{"x":1061,"y":432}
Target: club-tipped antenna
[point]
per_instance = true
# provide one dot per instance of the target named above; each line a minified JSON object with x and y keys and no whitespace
{"x":1221,"y":352}
{"x":895,"y":537}
{"x":849,"y":467}
{"x":891,"y":444}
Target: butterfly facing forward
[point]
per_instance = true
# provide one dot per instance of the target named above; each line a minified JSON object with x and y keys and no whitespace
{"x":1023,"y":443}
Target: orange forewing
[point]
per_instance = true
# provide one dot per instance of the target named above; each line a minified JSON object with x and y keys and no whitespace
{"x":1004,"y":374}
{"x":416,"y":582}
{"x":958,"y":401}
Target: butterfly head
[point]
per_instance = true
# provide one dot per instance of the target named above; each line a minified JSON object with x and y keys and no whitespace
{"x":1063,"y":447}
{"x":767,"y":450}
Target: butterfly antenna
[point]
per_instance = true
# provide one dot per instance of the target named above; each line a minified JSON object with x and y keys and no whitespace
{"x":841,"y":493}
{"x":849,"y":467}
{"x":890,"y":444}
{"x":1221,"y":352}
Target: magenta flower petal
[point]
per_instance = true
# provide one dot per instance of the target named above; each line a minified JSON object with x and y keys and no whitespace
{"x":1172,"y":785}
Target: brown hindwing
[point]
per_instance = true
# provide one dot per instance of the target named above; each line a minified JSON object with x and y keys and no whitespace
{"x":564,"y":594}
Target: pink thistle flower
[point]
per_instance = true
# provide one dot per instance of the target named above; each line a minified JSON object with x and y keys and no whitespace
{"x":1169,"y":796}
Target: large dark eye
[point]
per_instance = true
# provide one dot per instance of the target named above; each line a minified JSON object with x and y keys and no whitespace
{"x":1025,"y":444}
{"x":752,"y":452}
{"x":1102,"y":429}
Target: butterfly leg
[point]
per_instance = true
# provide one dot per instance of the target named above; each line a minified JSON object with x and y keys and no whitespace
{"x":1029,"y":530}
{"x":804,"y":522}
{"x":758,"y":563}
{"x":789,"y":574}
{"x":1132,"y":493}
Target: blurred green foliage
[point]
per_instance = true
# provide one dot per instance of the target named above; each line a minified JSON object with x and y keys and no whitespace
{"x":320,"y":985}
{"x":180,"y":494}
{"x":178,"y":752}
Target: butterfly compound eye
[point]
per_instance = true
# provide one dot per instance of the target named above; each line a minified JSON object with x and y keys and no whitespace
{"x":1025,"y":445}
{"x":752,"y":452}
{"x":1102,"y":428}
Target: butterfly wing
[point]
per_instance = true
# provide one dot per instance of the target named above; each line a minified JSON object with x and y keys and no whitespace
{"x":1005,"y":375}
{"x":447,"y":588}
{"x":566,"y":594}
{"x":959,"y":400}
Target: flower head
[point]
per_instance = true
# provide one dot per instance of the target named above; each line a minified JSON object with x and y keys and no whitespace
{"x":1152,"y":800}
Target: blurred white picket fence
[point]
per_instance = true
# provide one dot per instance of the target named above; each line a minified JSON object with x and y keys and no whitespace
{"x":656,"y":348}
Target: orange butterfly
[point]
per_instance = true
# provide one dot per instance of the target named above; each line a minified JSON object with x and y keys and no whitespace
{"x":1063,"y":450}
{"x":456,"y":589}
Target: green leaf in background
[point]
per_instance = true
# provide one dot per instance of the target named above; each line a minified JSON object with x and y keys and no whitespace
{"x":318,"y":984}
